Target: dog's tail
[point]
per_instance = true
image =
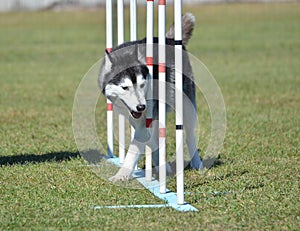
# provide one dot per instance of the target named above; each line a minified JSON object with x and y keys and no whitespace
{"x":188,"y":23}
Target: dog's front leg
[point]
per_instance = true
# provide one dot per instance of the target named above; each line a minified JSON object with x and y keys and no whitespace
{"x":132,"y":157}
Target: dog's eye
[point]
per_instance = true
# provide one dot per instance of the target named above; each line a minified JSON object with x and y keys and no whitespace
{"x":125,"y":88}
{"x":142,"y":85}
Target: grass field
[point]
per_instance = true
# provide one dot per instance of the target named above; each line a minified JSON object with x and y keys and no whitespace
{"x":253,"y":51}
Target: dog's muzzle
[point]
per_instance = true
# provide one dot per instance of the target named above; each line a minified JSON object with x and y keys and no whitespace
{"x":137,"y":114}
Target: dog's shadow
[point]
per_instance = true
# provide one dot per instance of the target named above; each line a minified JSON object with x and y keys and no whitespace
{"x":90,"y":156}
{"x":22,"y":159}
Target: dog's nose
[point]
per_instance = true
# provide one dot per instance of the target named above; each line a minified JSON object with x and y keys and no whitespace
{"x":141,"y":107}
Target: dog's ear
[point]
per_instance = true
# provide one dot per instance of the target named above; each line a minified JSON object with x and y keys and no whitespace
{"x":141,"y":53}
{"x":108,"y":60}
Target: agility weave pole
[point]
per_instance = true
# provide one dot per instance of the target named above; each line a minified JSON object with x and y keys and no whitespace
{"x":122,"y":121}
{"x":179,"y":101}
{"x":109,"y":46}
{"x":149,"y":63}
{"x":158,"y":188}
{"x":162,"y":93}
{"x":133,"y":37}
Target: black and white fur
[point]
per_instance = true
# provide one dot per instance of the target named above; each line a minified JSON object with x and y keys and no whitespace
{"x":123,"y":80}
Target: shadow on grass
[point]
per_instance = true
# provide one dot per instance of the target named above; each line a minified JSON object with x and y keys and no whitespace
{"x":90,"y":156}
{"x":32,"y":158}
{"x":212,"y":162}
{"x":208,"y":163}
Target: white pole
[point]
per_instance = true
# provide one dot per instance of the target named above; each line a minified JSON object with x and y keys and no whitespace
{"x":109,"y":45}
{"x":162,"y":93}
{"x":149,"y":62}
{"x":179,"y":101}
{"x":120,"y":22}
{"x":133,"y":37}
{"x":133,"y":23}
{"x":122,"y":122}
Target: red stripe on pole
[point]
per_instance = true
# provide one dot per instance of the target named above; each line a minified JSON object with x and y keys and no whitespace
{"x":148,"y":123}
{"x":109,"y":107}
{"x":162,"y":68}
{"x":149,"y":0}
{"x":149,"y":61}
{"x":161,"y":2}
{"x":162,"y":132}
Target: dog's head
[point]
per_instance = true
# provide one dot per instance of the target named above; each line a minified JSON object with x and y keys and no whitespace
{"x":123,"y":77}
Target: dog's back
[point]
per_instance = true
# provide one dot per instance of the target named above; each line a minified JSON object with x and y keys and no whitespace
{"x":188,"y":23}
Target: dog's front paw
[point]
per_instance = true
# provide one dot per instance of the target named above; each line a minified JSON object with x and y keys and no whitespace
{"x":119,"y":178}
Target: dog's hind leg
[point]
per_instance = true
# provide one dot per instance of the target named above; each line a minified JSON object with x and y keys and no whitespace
{"x":196,"y":162}
{"x":189,"y":121}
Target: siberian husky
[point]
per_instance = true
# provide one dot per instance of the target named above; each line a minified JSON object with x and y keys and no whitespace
{"x":123,"y":80}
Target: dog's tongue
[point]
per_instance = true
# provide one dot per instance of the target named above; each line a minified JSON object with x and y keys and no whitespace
{"x":136,"y":115}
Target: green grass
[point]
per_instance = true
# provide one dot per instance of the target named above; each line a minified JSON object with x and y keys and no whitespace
{"x":253,"y":52}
